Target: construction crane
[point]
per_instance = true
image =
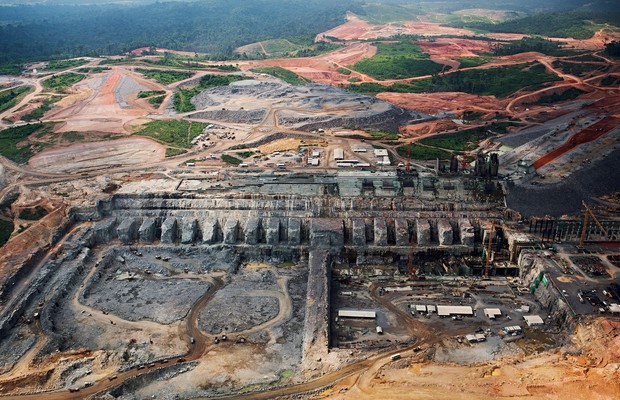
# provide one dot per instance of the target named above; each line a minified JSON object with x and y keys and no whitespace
{"x":494,"y":226}
{"x":584,"y":229}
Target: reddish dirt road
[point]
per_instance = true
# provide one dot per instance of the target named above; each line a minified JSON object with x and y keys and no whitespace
{"x":589,"y":134}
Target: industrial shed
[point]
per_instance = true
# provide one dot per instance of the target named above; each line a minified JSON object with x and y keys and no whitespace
{"x":446,"y":311}
{"x":492,"y":313}
{"x":357,"y":314}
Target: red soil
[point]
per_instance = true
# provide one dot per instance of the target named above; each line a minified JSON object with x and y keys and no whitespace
{"x":589,"y":134}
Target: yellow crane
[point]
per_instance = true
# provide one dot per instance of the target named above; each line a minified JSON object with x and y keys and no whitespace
{"x":588,"y":213}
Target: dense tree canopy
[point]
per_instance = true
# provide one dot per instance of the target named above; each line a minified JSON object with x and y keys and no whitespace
{"x":215,"y":26}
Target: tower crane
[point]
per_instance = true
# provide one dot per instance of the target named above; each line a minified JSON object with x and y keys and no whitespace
{"x":588,"y":213}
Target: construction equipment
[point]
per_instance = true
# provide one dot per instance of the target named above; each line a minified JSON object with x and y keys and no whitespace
{"x":494,"y":227}
{"x":588,"y":212}
{"x":411,"y":269}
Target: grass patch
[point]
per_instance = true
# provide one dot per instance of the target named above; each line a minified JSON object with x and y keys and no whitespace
{"x":397,"y":61}
{"x":163,"y":76}
{"x":281,"y":73}
{"x":417,"y":152}
{"x":230,"y":159}
{"x":172,"y":152}
{"x":10,"y":97}
{"x":33,"y":214}
{"x":57,"y":65}
{"x":285,"y":264}
{"x":6,"y":229}
{"x":182,"y":97}
{"x":38,"y":112}
{"x":354,"y":79}
{"x":176,"y":133}
{"x":344,"y":71}
{"x":469,"y":62}
{"x":381,"y":135}
{"x":568,"y":94}
{"x":59,"y":83}
{"x":73,"y":136}
{"x":467,"y":139}
{"x":499,"y":82}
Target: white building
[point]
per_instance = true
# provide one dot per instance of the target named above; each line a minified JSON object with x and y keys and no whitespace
{"x":338,"y":154}
{"x":446,"y":311}
{"x":342,"y":313}
{"x":533,"y":320}
{"x":492,"y":313}
{"x":380,"y":153}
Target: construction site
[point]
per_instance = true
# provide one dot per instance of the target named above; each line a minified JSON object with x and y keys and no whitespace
{"x":325,"y":260}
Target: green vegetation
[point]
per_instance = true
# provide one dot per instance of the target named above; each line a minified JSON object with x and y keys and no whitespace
{"x":57,"y":65}
{"x":468,"y":62}
{"x":41,"y":110}
{"x":500,"y":82}
{"x":245,"y":154}
{"x":163,"y":76}
{"x":59,"y":83}
{"x":609,"y":81}
{"x":172,"y":152}
{"x":417,"y":152}
{"x":569,"y":94}
{"x":176,"y":133}
{"x":578,"y":69}
{"x":33,"y":214}
{"x":472,"y":115}
{"x":182,"y":98}
{"x":8,"y":201}
{"x":6,"y":229}
{"x":354,"y":79}
{"x":10,"y":97}
{"x":526,"y":44}
{"x":223,"y":67}
{"x":467,"y":139}
{"x":380,"y":135}
{"x":92,"y":70}
{"x":214,"y":27}
{"x":285,"y":264}
{"x":230,"y":159}
{"x":10,"y":139}
{"x":397,"y":61}
{"x":344,"y":71}
{"x":382,"y":13}
{"x":143,"y":94}
{"x":10,"y":69}
{"x":279,"y":46}
{"x":157,"y":100}
{"x":281,"y":73}
{"x":73,"y":136}
{"x":577,"y":25}
{"x":612,"y":49}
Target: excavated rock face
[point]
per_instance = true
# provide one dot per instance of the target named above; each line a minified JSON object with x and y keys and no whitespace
{"x":304,"y":107}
